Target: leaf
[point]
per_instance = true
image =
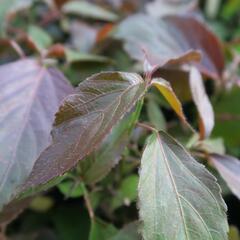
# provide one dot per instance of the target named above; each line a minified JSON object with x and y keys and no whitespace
{"x":202,"y":103}
{"x":97,"y":165}
{"x":82,"y":36}
{"x":166,"y":90}
{"x":39,"y":37}
{"x":71,"y":221}
{"x":156,"y":116}
{"x":127,"y":192}
{"x":227,"y":113}
{"x":41,"y":204}
{"x":75,"y":56}
{"x":229,"y":169}
{"x":161,"y":8}
{"x":30,"y":95}
{"x":84,"y":120}
{"x":89,"y":10}
{"x":172,"y":40}
{"x":177,"y":195}
{"x":71,"y":189}
{"x":128,"y":232}
{"x":101,"y":230}
{"x":233,"y":233}
{"x":212,"y":145}
{"x":13,"y":209}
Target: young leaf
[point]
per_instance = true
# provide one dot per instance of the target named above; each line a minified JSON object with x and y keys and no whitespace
{"x":166,"y":90}
{"x":229,"y":169}
{"x":202,"y":103}
{"x":30,"y":96}
{"x":174,"y":39}
{"x":177,"y":195}
{"x":89,"y":10}
{"x":84,"y":119}
{"x":97,"y":165}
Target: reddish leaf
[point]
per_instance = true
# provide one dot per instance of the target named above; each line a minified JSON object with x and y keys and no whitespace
{"x":29,"y":97}
{"x":229,"y":169}
{"x":202,"y":103}
{"x":13,"y":209}
{"x":172,"y":40}
{"x":84,"y":119}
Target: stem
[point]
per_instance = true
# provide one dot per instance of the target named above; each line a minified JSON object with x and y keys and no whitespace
{"x":88,"y":202}
{"x":17,"y":48}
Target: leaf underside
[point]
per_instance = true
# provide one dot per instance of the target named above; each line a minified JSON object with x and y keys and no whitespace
{"x":178,"y":197}
{"x":30,"y":96}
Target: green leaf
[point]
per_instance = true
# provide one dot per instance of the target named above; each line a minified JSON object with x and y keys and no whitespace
{"x":40,"y":37}
{"x":227,"y":113}
{"x":233,"y":233}
{"x":76,"y":56}
{"x":71,"y":189}
{"x":127,"y":192}
{"x":41,"y":203}
{"x":96,"y":166}
{"x":101,"y":230}
{"x":155,"y":115}
{"x":177,"y":195}
{"x":89,"y":10}
{"x":84,"y":120}
{"x":4,"y":9}
{"x":128,"y":232}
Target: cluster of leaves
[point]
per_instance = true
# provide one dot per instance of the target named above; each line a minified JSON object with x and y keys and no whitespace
{"x":141,"y":70}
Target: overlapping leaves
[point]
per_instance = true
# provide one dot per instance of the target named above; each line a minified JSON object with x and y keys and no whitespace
{"x":84,"y":119}
{"x":30,"y":96}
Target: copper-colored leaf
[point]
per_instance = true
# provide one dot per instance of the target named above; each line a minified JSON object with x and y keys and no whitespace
{"x":30,"y":94}
{"x":171,"y":40}
{"x":229,"y":169}
{"x":202,"y":103}
{"x":84,"y":119}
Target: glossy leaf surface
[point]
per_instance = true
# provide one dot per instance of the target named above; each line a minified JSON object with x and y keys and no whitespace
{"x":84,"y":119}
{"x":30,"y":96}
{"x":179,"y":198}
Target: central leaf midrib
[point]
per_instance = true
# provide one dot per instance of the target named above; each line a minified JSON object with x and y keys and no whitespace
{"x":174,"y":187}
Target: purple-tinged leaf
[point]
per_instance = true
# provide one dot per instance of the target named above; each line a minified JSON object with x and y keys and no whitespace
{"x":161,"y":8}
{"x":229,"y":169}
{"x":84,"y":119}
{"x":171,"y":40}
{"x":202,"y":103}
{"x":30,"y":94}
